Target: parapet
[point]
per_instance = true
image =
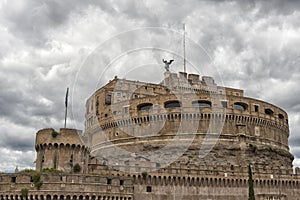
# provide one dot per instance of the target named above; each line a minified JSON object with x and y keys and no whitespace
{"x":64,"y":136}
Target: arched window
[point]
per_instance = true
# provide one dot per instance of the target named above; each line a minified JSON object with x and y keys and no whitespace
{"x":240,"y":106}
{"x":145,"y":106}
{"x":172,"y":104}
{"x":280,"y":116}
{"x":201,"y":104}
{"x":268,"y":111}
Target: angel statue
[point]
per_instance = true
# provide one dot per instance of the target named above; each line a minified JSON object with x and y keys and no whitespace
{"x":167,"y":64}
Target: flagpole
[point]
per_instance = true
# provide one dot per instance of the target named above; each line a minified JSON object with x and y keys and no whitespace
{"x":184,"y":56}
{"x":66,"y":107}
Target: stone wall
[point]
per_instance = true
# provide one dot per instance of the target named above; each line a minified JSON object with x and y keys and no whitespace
{"x":66,"y":187}
{"x":60,"y":150}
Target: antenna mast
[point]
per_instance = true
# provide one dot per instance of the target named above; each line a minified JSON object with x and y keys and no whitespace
{"x":184,"y":56}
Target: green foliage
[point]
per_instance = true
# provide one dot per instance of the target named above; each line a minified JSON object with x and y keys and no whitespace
{"x":36,"y":178}
{"x":51,"y":170}
{"x":144,"y":174}
{"x":38,"y":185}
{"x":253,"y":148}
{"x":54,"y":134}
{"x":250,"y":183}
{"x":28,"y":171}
{"x":76,"y":168}
{"x":24,"y":192}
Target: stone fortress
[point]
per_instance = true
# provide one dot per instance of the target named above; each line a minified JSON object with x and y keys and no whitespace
{"x":183,"y":138}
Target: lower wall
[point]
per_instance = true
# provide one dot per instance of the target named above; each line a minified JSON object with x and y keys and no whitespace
{"x":182,"y":192}
{"x":64,"y":186}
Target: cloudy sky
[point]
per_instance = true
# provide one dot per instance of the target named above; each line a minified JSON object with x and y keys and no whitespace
{"x":47,"y":46}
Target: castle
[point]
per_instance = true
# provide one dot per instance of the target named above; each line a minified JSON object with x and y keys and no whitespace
{"x":183,"y":138}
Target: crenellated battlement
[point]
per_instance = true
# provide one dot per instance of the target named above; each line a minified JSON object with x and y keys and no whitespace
{"x":65,"y":186}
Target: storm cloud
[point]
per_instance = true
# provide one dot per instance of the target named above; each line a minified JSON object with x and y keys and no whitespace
{"x":46,"y":47}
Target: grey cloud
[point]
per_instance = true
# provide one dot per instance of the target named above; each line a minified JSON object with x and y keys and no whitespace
{"x":236,"y":34}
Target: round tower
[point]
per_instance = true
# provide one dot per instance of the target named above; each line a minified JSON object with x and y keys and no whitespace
{"x":217,"y":126}
{"x":60,"y":150}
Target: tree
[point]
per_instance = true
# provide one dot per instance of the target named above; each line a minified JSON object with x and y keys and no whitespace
{"x":250,"y":183}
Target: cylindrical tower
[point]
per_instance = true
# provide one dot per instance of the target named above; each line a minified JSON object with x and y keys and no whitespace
{"x":145,"y":117}
{"x":60,"y":150}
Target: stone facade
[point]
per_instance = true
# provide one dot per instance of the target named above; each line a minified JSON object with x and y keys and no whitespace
{"x":220,"y":130}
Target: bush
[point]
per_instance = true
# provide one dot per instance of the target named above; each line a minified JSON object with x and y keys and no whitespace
{"x":77,"y":168}
{"x":144,"y":174}
{"x":51,"y":170}
{"x":54,"y":134}
{"x":36,"y":178}
{"x":24,"y":192}
{"x":253,"y":148}
{"x":28,"y":171}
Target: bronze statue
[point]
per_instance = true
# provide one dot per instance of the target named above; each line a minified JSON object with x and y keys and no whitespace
{"x":167,"y":64}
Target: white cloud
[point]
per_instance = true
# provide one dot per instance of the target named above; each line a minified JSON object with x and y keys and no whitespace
{"x":255,"y":46}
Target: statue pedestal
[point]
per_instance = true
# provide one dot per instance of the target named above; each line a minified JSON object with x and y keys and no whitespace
{"x":167,"y":75}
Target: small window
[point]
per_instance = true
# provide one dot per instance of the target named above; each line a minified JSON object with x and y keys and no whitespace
{"x":146,"y":88}
{"x":105,"y":115}
{"x":256,"y":107}
{"x":71,"y":158}
{"x":172,"y":104}
{"x":145,"y":106}
{"x":121,"y":182}
{"x":13,"y":179}
{"x":201,"y":104}
{"x":126,"y":110}
{"x":108,"y":99}
{"x":280,"y":116}
{"x":116,"y":134}
{"x":268,"y":111}
{"x":240,"y":106}
{"x":148,"y":189}
{"x":109,"y":181}
{"x":224,"y":104}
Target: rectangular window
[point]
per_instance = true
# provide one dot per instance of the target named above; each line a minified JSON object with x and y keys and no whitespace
{"x":109,"y":181}
{"x":126,"y":109}
{"x":148,"y":189}
{"x":224,"y":104}
{"x":256,"y":108}
{"x":13,"y":179}
{"x":108,"y":99}
{"x":121,"y":182}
